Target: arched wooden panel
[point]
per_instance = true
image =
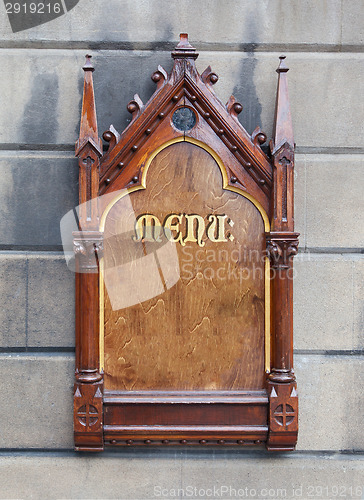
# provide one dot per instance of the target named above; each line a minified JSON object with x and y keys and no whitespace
{"x":204,"y":326}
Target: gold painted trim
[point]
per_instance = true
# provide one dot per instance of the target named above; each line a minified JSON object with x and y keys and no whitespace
{"x":267,"y":326}
{"x":225,"y":185}
{"x":101,"y":316}
{"x":218,"y":160}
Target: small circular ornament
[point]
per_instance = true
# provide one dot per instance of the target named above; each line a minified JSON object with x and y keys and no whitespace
{"x":184,"y":119}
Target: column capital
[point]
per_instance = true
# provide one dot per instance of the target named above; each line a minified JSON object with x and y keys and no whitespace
{"x":88,"y":247}
{"x":282,"y":246}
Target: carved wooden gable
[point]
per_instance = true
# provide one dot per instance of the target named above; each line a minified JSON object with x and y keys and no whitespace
{"x":184,"y":271}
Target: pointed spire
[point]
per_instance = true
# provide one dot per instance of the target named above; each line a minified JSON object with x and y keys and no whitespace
{"x":88,"y":127}
{"x":184,"y":48}
{"x":283,"y":131}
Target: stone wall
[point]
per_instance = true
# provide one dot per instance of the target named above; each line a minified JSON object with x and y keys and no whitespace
{"x":40,"y":90}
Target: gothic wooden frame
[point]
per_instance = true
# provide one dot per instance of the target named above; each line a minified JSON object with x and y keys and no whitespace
{"x":267,"y":178}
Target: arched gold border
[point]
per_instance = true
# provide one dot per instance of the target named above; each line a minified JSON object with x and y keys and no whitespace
{"x":215,"y":156}
{"x":226,"y":186}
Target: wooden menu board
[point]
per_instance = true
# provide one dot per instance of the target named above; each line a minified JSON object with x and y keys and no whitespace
{"x":184,"y":271}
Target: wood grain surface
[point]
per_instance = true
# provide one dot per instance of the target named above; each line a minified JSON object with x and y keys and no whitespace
{"x":184,"y":317}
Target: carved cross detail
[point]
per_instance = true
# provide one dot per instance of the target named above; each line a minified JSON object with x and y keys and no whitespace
{"x":284,"y":414}
{"x":88,"y":162}
{"x":87,"y":415}
{"x":284,"y":161}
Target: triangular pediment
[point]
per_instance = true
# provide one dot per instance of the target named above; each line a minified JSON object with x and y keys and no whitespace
{"x":185,"y":87}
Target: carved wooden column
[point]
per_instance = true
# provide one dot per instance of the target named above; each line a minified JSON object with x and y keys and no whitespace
{"x":282,"y":245}
{"x":88,"y":245}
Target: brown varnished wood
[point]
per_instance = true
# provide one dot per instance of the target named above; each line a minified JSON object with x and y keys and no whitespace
{"x":198,"y":436}
{"x":88,"y":429}
{"x":182,"y":414}
{"x":120,"y":177}
{"x":180,"y":423}
{"x":185,"y":368}
{"x":207,"y":331}
{"x":282,"y":246}
{"x":88,"y":151}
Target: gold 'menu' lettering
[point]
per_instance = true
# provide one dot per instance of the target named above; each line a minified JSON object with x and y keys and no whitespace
{"x":192,"y":234}
{"x":148,"y":228}
{"x":173,"y":226}
{"x":216,"y":228}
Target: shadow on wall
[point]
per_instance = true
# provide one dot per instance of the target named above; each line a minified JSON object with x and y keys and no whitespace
{"x":245,"y":93}
{"x":39,"y":124}
{"x":116,"y":80}
{"x":118,"y":77}
{"x":245,"y":90}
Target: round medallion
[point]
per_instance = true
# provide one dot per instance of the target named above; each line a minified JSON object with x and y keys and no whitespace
{"x":184,"y":119}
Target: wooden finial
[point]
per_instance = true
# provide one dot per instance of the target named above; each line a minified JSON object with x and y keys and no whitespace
{"x":88,"y":64}
{"x":184,"y":48}
{"x":282,"y":68}
{"x":88,"y":127}
{"x":283,"y":130}
{"x":183,"y":42}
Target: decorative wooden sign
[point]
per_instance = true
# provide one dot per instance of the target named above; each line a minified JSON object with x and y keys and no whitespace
{"x":184,"y":271}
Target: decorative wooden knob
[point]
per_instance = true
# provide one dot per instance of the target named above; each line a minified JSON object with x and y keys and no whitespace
{"x":238,"y":108}
{"x":132,"y":107}
{"x":107,"y":136}
{"x":156,"y":77}
{"x":214,"y":78}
